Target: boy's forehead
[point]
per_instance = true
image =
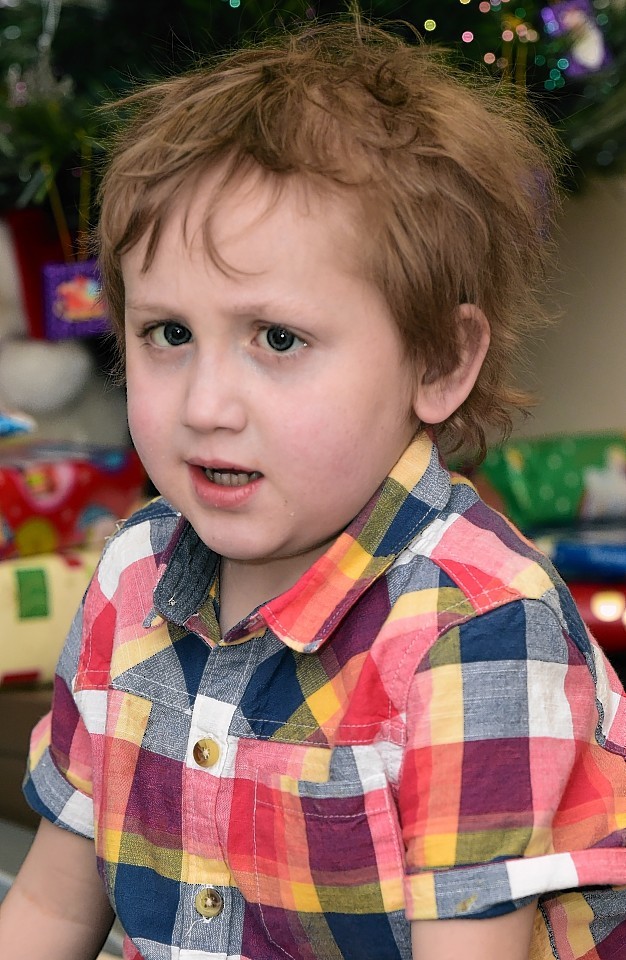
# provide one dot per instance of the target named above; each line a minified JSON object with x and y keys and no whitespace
{"x":225,"y":210}
{"x":256,"y":198}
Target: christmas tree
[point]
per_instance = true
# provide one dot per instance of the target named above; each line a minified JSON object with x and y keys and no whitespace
{"x":60,"y":60}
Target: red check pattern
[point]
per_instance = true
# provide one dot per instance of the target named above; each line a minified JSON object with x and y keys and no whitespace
{"x":420,"y":728}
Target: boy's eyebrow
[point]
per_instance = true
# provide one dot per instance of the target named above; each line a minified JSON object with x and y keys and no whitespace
{"x":143,"y":305}
{"x":265,"y":308}
{"x":262,"y":308}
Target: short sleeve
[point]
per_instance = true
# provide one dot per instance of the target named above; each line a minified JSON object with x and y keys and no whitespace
{"x":65,"y":769}
{"x":58,"y":783}
{"x":508,"y":789}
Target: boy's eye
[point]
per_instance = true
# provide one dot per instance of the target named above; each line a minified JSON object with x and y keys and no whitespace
{"x":280,"y":339}
{"x":170,"y":334}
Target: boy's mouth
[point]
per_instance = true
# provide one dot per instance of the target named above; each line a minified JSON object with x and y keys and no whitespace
{"x":231,"y":478}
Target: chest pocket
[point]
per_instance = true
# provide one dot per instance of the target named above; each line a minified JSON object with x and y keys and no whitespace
{"x":325,"y":866}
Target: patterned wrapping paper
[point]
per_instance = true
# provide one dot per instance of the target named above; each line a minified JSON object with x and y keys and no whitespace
{"x":557,"y":481}
{"x":59,"y":495}
{"x":72,"y":300}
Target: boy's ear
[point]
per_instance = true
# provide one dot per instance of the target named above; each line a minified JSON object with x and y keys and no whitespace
{"x":437,"y":399}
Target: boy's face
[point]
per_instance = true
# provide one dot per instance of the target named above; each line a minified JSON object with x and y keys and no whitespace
{"x":270,"y":401}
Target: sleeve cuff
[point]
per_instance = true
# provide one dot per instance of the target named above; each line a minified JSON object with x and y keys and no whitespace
{"x":504,"y":885}
{"x":51,"y":796}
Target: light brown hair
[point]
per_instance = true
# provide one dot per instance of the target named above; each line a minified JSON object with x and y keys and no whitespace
{"x":452,"y":177}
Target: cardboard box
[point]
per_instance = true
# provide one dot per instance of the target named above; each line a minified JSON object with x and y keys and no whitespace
{"x":19,"y":712}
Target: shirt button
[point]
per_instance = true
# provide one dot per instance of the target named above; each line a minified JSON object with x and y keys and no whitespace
{"x":209,"y":902}
{"x":206,"y":752}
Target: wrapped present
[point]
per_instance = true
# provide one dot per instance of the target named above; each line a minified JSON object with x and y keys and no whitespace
{"x":54,"y":496}
{"x":38,"y":597}
{"x":559,"y":481}
{"x":72,"y":303}
{"x":595,"y":553}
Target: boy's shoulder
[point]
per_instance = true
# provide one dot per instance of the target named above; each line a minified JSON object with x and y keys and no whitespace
{"x":478,"y":561}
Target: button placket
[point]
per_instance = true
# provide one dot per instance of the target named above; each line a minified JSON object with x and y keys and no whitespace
{"x":208,"y":735}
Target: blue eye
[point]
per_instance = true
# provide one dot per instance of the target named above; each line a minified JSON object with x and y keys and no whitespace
{"x":280,"y":339}
{"x":170,"y":334}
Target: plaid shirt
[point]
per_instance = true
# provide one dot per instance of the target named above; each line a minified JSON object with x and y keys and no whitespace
{"x":419,"y":728}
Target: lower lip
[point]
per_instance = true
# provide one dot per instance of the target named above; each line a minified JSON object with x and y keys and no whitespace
{"x":215,"y":495}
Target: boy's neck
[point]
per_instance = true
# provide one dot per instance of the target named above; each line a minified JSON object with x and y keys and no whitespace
{"x":244,"y":586}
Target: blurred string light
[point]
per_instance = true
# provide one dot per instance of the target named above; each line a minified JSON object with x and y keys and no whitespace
{"x":518,"y":35}
{"x":515,"y":33}
{"x":525,"y":41}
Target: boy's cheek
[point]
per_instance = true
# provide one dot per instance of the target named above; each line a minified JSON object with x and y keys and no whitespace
{"x":134,"y":422}
{"x":142,"y":428}
{"x":142,"y":399}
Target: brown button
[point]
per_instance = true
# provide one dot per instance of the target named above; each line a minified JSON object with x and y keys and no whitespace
{"x":206,"y":752}
{"x":209,"y":902}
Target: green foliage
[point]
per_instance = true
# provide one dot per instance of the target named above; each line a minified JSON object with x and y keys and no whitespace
{"x":48,"y":120}
{"x":53,"y":75}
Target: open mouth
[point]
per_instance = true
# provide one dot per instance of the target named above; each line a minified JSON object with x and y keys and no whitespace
{"x":231,"y":478}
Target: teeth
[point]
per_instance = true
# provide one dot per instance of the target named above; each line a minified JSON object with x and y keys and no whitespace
{"x":231,"y":478}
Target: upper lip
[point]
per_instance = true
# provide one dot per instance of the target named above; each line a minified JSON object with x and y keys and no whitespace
{"x":217,"y":464}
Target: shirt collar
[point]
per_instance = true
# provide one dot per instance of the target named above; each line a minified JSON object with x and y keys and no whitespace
{"x":305,"y":616}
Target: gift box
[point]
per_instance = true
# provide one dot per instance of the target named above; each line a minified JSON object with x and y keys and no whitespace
{"x":559,"y":481}
{"x":72,"y":300}
{"x":596,"y":553}
{"x":54,"y":496}
{"x":38,"y":598}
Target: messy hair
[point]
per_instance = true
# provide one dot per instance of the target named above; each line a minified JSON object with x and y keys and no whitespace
{"x":451,"y":176}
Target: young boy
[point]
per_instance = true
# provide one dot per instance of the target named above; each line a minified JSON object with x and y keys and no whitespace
{"x":320,"y":702}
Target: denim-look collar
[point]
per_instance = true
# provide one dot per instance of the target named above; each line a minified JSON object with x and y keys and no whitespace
{"x":304,"y":617}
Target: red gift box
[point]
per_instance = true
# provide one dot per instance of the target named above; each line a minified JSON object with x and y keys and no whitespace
{"x":54,"y":496}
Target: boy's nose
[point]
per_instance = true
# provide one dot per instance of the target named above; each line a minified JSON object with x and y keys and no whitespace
{"x":214,"y":395}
